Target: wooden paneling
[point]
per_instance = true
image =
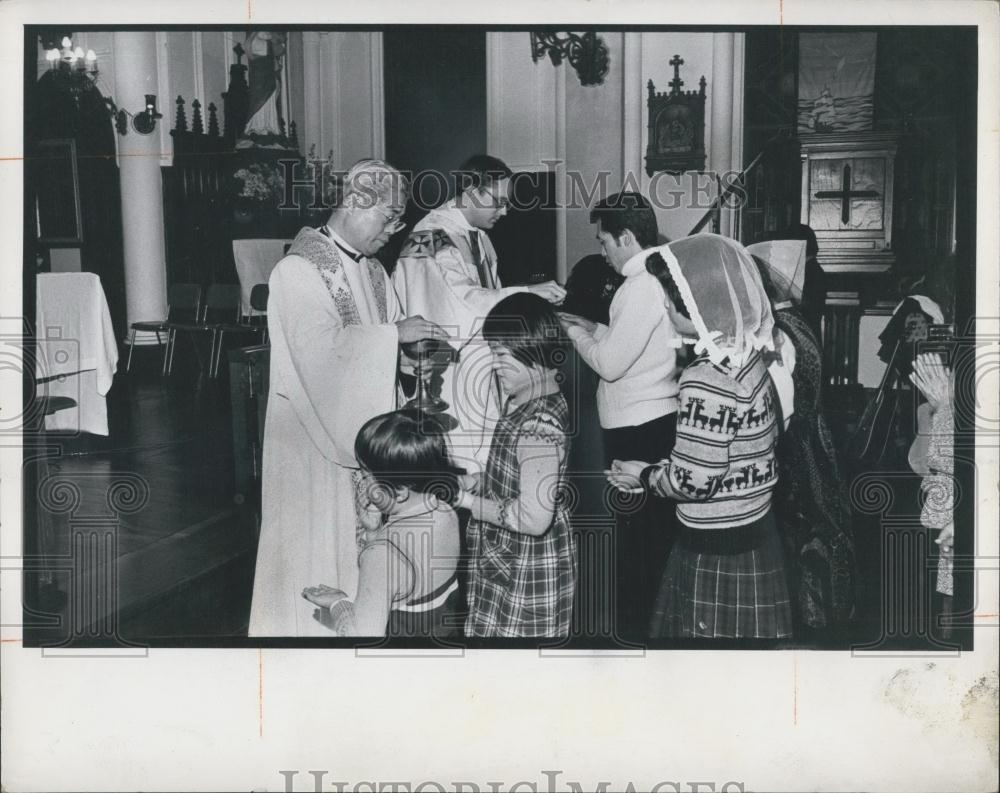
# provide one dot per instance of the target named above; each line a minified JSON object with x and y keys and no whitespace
{"x":195,"y":212}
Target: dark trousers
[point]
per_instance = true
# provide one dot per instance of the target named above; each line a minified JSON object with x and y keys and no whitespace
{"x":643,"y":536}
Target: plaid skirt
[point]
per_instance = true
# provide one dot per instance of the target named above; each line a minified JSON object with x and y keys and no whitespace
{"x":725,"y":583}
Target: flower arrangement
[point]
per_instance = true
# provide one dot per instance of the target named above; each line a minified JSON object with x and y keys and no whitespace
{"x":260,"y":182}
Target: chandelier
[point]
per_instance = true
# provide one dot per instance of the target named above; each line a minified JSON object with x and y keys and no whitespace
{"x":79,"y":70}
{"x":586,"y":53}
{"x":78,"y":67}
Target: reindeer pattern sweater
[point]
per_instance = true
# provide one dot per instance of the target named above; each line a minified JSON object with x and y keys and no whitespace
{"x":722,"y":468}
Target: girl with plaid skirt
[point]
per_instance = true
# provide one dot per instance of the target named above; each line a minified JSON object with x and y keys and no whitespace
{"x":725,"y":576}
{"x":522,"y":569}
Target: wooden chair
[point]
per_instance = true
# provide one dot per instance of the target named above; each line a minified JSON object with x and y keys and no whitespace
{"x":181,"y":299}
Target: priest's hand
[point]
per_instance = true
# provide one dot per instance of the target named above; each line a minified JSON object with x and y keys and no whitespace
{"x":407,"y":365}
{"x":549,"y":290}
{"x":416,"y":328}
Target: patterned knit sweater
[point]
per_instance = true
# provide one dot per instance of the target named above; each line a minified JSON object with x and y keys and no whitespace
{"x":722,"y":469}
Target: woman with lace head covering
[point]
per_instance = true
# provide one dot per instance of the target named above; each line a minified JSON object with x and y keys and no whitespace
{"x":725,"y":577}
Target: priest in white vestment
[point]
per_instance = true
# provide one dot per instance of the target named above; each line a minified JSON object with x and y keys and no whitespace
{"x":447,"y":272}
{"x":335,"y":325}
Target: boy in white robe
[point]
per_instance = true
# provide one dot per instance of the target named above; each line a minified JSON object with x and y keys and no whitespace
{"x":335,"y":326}
{"x":447,"y":272}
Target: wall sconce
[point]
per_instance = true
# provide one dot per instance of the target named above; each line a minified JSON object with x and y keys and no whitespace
{"x":145,"y":122}
{"x":587,"y":54}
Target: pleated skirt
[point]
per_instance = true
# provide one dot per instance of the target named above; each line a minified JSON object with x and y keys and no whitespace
{"x":725,"y":583}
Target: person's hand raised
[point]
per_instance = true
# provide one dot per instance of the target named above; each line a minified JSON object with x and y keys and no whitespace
{"x":933,"y":380}
{"x":416,"y":328}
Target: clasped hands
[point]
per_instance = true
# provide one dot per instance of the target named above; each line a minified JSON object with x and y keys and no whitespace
{"x":468,"y":484}
{"x":625,"y":475}
{"x":946,"y":539}
{"x":574,"y":321}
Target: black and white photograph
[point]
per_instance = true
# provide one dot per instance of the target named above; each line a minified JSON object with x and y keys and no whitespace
{"x":651,"y":356}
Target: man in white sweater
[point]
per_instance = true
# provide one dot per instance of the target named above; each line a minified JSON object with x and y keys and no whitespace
{"x":635,"y":355}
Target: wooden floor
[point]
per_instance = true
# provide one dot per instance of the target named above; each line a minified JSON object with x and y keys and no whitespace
{"x":144,"y":540}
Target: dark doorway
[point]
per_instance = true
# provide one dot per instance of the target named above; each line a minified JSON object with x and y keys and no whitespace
{"x":435,"y":110}
{"x":435,"y":118}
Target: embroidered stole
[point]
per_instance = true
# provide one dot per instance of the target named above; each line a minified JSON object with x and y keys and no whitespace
{"x":323,"y":254}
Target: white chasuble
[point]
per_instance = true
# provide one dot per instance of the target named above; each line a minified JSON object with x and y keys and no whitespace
{"x":436,"y":277}
{"x":333,"y":367}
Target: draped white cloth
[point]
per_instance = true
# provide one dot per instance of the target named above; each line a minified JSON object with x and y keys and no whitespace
{"x":77,"y":353}
{"x":255,"y":259}
{"x":333,"y":366}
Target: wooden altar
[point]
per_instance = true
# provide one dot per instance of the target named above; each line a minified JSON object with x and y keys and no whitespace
{"x":847,"y":184}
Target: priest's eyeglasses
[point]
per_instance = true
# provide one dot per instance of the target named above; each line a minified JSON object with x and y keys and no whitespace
{"x":496,"y":201}
{"x":393,"y":221}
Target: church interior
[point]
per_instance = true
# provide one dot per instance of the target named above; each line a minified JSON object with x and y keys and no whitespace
{"x":169,"y":169}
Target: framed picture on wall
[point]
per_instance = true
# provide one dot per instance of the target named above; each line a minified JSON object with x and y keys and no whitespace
{"x":57,"y":193}
{"x":676,"y":126}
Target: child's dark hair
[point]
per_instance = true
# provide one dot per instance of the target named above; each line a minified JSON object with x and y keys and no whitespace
{"x":656,"y":265}
{"x":406,"y":448}
{"x":527,"y":325}
{"x":800,"y":231}
{"x":627,"y":211}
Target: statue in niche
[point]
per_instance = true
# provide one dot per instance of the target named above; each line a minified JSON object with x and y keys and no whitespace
{"x":266,"y":57}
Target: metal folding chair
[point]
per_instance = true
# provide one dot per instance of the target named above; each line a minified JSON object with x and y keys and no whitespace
{"x":222,"y":301}
{"x":180,"y":298}
{"x":258,"y":304}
